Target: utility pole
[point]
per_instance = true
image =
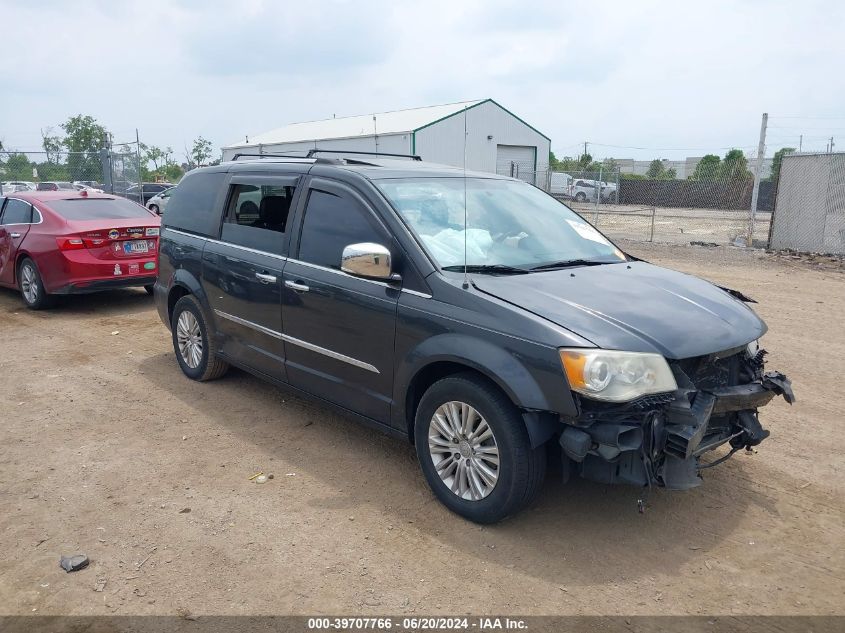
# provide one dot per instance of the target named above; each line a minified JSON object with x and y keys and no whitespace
{"x":800,"y":142}
{"x":758,"y":170}
{"x":831,"y":145}
{"x":585,"y":148}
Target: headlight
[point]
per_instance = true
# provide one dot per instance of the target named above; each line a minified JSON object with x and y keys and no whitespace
{"x":616,"y":376}
{"x":752,"y":348}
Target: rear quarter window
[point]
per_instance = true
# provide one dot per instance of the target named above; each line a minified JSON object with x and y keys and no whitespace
{"x":193,"y":204}
{"x":98,"y":209}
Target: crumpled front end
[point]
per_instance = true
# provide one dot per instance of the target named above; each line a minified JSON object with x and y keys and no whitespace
{"x":660,"y":439}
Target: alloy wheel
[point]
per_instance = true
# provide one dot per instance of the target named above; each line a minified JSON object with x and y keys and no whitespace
{"x":29,"y":283}
{"x":189,"y":337}
{"x":464,"y":450}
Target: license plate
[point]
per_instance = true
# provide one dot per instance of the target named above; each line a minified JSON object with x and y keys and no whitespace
{"x":135,"y":246}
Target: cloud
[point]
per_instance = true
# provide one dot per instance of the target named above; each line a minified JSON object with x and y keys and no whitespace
{"x":639,"y":74}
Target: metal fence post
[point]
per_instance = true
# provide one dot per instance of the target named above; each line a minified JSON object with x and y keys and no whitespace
{"x":140,"y":179}
{"x":758,"y":170}
{"x":105,"y":163}
{"x":651,"y":235}
{"x":598,"y":197}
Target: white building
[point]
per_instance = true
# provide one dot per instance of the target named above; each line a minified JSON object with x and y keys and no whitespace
{"x":496,"y":139}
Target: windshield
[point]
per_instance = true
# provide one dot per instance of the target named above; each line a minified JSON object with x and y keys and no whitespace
{"x":508,"y":223}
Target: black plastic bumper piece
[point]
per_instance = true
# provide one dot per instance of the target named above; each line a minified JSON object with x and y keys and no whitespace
{"x":104,"y":284}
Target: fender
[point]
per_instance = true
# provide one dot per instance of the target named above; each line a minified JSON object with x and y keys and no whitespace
{"x":187,"y":280}
{"x":538,"y":388}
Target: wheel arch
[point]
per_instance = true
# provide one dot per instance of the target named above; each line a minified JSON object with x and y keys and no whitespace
{"x":492,"y":363}
{"x":183,"y":283}
{"x":21,"y":255}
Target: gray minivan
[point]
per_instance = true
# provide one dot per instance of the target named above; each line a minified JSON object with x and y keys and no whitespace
{"x":472,"y":314}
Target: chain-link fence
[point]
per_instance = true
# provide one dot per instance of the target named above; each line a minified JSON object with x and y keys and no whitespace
{"x":809,"y":214}
{"x":710,"y":206}
{"x":106,"y":170}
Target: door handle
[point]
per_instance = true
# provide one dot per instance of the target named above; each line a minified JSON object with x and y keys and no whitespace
{"x":14,"y":234}
{"x":293,"y":285}
{"x":265,"y":278}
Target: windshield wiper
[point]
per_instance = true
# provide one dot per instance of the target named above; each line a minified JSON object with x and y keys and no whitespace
{"x":490,"y":269}
{"x":567,"y":263}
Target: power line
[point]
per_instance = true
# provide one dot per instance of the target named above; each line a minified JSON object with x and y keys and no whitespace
{"x":673,"y":149}
{"x":798,"y":116}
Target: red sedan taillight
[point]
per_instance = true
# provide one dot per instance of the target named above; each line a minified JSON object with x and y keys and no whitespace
{"x":70,"y":243}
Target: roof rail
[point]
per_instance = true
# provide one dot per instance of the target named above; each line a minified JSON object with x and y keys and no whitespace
{"x":265,"y":155}
{"x":313,"y":152}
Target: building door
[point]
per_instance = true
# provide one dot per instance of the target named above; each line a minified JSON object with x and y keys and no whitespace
{"x":517,"y":161}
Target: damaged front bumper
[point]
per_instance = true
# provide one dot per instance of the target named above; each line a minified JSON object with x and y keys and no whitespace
{"x":658,"y":440}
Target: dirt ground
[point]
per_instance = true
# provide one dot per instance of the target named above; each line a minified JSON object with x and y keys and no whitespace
{"x":108,"y":450}
{"x":668,"y":225}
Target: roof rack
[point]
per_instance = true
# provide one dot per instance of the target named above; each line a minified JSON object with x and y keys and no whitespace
{"x":313,"y":152}
{"x":265,"y":155}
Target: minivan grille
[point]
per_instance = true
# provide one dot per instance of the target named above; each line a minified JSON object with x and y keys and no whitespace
{"x":707,"y":372}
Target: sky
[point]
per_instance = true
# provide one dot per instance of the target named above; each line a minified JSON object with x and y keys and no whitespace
{"x":645,"y":79}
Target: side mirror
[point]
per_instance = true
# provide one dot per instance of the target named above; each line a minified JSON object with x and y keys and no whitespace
{"x":369,"y":260}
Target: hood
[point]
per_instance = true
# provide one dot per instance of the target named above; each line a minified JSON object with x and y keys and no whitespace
{"x":633,"y":306}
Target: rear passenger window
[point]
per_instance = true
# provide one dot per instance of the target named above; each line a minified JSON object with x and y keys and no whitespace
{"x":193,"y":205}
{"x":331,"y":223}
{"x":16,"y":212}
{"x":257,"y":216}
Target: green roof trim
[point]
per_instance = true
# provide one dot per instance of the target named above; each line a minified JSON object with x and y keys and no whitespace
{"x":476,"y":105}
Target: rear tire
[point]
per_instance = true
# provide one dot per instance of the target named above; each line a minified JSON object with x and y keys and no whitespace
{"x":520,"y":470}
{"x":149,"y":289}
{"x":154,"y":209}
{"x":196,"y":349}
{"x":580,"y":197}
{"x":31,"y":285}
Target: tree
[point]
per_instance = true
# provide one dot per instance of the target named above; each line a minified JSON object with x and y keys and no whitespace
{"x":52,"y":145}
{"x":17,"y":167}
{"x":200,"y":152}
{"x":610,"y":165}
{"x":84,"y":137}
{"x":734,"y":166}
{"x":84,"y":134}
{"x":154,"y":155}
{"x":707,"y":168}
{"x":655,"y":169}
{"x":777,"y":160}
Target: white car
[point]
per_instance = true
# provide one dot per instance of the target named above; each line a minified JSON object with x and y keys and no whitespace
{"x":158,"y":202}
{"x":583,"y":190}
{"x":89,"y":189}
{"x":17,"y":185}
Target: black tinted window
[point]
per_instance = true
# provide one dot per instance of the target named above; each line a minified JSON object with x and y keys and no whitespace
{"x":257,"y":216}
{"x":193,"y":204}
{"x":16,"y":212}
{"x":99,"y":209}
{"x":331,"y":223}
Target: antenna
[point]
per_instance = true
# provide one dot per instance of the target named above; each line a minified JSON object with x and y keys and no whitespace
{"x":466,"y":223}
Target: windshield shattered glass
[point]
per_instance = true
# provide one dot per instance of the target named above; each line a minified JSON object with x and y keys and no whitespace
{"x":508,"y":223}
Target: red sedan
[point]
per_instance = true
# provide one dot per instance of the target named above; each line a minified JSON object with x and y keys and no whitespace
{"x":62,"y":242}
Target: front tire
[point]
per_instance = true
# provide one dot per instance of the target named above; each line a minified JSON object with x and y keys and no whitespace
{"x":474,"y":449}
{"x":196,"y":349}
{"x":31,"y":285}
{"x":581,"y":197}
